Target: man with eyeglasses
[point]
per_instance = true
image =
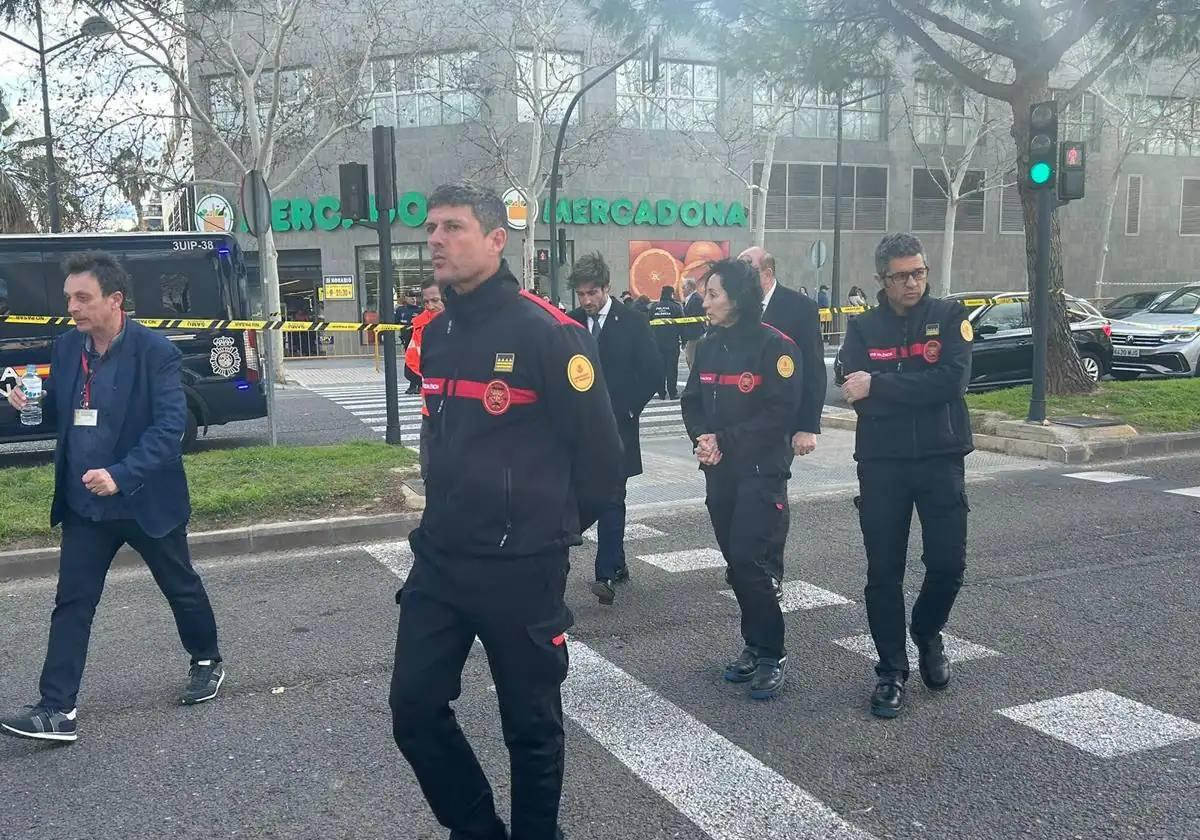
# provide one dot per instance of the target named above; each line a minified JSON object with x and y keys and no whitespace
{"x":908,"y":363}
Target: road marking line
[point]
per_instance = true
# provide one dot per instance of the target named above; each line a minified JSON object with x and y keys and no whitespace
{"x":1105,"y":477}
{"x":799,"y":595}
{"x":1187,"y":491}
{"x":685,"y":561}
{"x":633,"y":531}
{"x":397,"y":557}
{"x":957,"y":650}
{"x":727,"y":792}
{"x":1104,"y":724}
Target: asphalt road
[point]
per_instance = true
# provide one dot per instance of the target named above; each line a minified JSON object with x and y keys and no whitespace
{"x":1081,"y":595}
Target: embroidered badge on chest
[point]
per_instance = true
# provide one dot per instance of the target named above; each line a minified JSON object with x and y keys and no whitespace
{"x":932,"y":351}
{"x":496,"y":397}
{"x":746,"y":382}
{"x":933,"y":329}
{"x":505,"y":362}
{"x":785,"y":366}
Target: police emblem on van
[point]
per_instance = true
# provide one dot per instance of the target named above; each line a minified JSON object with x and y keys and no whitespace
{"x":224,"y":358}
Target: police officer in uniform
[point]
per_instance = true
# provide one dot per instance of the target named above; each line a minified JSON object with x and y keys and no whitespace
{"x":739,"y":407}
{"x":908,"y":364}
{"x":669,"y":338}
{"x":523,"y":452}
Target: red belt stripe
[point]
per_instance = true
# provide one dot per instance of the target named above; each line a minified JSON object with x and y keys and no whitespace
{"x":470,"y":390}
{"x":883,"y":354}
{"x":727,"y":379}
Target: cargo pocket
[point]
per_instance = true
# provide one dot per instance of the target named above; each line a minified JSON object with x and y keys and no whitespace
{"x":548,"y":662}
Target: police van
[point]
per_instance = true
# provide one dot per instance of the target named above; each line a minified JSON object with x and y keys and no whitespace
{"x":173,"y":275}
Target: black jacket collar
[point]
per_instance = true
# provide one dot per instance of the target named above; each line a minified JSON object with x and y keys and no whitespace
{"x":917,"y":311}
{"x":497,"y":291}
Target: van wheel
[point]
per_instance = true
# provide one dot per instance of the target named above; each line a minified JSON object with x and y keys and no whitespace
{"x":1126,"y":375}
{"x":190,"y":430}
{"x":1092,"y":366}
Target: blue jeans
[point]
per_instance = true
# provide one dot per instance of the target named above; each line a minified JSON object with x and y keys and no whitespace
{"x":610,"y":534}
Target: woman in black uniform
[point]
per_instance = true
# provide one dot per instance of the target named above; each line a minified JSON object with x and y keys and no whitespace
{"x":739,"y":407}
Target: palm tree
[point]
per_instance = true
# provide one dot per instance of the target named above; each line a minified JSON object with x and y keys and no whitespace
{"x":15,"y":178}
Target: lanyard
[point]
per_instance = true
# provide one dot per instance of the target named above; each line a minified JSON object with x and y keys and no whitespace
{"x":89,"y":371}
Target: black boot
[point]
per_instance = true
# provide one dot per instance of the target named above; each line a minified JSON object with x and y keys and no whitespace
{"x":768,"y":679}
{"x":603,"y":589}
{"x":743,"y":668}
{"x":932,"y":662}
{"x":887,"y":697}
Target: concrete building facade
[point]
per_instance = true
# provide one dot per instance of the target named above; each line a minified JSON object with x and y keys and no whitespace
{"x":653,"y":203}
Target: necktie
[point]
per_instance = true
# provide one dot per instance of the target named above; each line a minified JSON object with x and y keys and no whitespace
{"x":596,"y":327}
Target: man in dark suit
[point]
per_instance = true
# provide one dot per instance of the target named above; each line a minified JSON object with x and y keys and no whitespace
{"x":630,"y":362}
{"x":693,"y":307}
{"x":797,"y":317}
{"x":118,"y":479}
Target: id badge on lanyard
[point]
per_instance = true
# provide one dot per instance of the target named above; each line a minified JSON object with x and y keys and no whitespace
{"x":85,"y":415}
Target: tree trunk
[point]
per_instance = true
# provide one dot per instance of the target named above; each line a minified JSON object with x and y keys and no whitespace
{"x":948,"y":245}
{"x":1064,"y":372}
{"x":1110,"y":204}
{"x":759,"y":234}
{"x":268,"y":267}
{"x":529,"y":250}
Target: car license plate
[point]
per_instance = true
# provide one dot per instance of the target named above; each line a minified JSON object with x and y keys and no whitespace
{"x":1126,"y":352}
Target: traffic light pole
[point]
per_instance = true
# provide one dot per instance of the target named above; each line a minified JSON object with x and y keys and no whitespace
{"x":1041,"y":303}
{"x":384,"y":143}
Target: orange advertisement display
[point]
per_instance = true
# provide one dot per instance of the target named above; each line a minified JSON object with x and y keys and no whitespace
{"x":654,"y":263}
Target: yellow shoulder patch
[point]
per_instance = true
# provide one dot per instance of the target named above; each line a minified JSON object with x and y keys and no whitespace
{"x":580,"y":373}
{"x":785,"y":366}
{"x":968,"y":334}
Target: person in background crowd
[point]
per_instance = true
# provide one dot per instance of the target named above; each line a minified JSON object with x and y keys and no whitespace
{"x":627,"y":298}
{"x":431,"y":299}
{"x":523,"y":454}
{"x":857,"y":297}
{"x":406,"y":313}
{"x":642,"y":305}
{"x":630,"y":363}
{"x":823,"y":303}
{"x":908,"y":362}
{"x":118,"y":480}
{"x":804,"y":290}
{"x":668,"y":337}
{"x":739,"y":407}
{"x":693,"y":307}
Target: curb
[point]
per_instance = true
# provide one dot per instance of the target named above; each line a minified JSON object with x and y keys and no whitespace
{"x":268,"y":536}
{"x":1142,"y":446}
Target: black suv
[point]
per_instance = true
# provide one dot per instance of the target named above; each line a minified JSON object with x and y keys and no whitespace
{"x":174,"y":275}
{"x":1002,"y":354}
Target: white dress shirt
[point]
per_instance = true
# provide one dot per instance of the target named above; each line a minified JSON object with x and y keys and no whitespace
{"x":767,"y":297}
{"x":599,"y":318}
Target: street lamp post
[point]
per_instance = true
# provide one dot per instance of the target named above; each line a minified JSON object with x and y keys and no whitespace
{"x":93,"y":27}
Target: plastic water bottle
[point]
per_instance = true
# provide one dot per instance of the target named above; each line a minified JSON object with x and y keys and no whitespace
{"x":31,"y":384}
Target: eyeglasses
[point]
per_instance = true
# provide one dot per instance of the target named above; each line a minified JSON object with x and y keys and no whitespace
{"x":916,"y":277}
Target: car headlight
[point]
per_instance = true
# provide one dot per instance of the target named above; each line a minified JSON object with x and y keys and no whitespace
{"x":1181,"y":337}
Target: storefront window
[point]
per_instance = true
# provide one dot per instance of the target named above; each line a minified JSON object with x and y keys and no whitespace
{"x":410,"y":264}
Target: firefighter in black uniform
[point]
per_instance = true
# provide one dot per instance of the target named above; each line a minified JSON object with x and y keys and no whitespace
{"x":908,"y":364}
{"x":739,"y":405}
{"x":524,"y":452}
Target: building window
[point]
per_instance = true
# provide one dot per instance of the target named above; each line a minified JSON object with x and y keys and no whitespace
{"x":801,"y":196}
{"x":1077,"y":120}
{"x":939,"y":115}
{"x":685,"y":98}
{"x":558,"y":80}
{"x":1133,"y":205}
{"x":1189,"y":208}
{"x":410,"y":264}
{"x":228,"y":112}
{"x":1012,"y":211}
{"x":424,"y":90}
{"x":930,"y":198}
{"x":1176,"y":124}
{"x":813,"y":113}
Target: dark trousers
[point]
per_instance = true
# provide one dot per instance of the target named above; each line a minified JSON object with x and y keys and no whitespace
{"x":414,"y":379}
{"x":610,"y":538}
{"x":890,"y":490}
{"x":670,"y":368}
{"x":750,"y":520}
{"x":516,"y":609}
{"x":88,"y":549}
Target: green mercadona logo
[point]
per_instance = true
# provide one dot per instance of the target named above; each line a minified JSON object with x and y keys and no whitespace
{"x":325,"y":213}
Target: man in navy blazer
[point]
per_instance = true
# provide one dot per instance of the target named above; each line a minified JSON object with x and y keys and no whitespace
{"x":118,"y":479}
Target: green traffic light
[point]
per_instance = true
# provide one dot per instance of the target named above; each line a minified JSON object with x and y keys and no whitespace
{"x":1040,"y":172}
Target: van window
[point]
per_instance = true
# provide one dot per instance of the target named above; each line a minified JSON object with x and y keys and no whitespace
{"x":172,"y":285}
{"x":22,"y":291}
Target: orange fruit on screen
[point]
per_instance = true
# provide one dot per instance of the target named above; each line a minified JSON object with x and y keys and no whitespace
{"x":677,"y":248}
{"x":703,"y":251}
{"x":694,"y":270}
{"x":653,"y":269}
{"x":637,"y":247}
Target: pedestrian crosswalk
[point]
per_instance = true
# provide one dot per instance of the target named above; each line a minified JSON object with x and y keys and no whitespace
{"x":368,"y":402}
{"x":1109,"y":477}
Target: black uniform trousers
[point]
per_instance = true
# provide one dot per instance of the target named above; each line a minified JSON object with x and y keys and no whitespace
{"x":669,"y":355}
{"x":516,"y":609}
{"x":88,"y":549}
{"x":750,"y":521}
{"x":889,"y":490}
